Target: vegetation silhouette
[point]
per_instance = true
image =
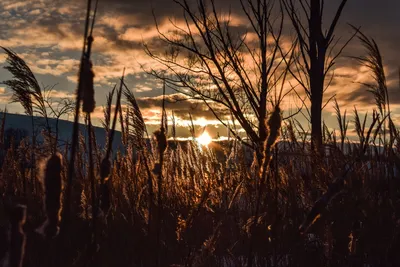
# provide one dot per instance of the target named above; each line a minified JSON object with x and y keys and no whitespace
{"x":264,"y":200}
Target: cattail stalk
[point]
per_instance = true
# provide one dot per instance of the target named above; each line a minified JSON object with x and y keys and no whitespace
{"x":274,"y":125}
{"x":92,"y":186}
{"x":161,"y":139}
{"x":75,"y":134}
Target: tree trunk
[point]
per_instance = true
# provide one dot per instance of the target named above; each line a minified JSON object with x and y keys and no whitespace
{"x":317,"y":67}
{"x":316,"y":118}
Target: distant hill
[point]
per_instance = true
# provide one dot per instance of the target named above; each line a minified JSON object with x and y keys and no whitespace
{"x":23,"y":122}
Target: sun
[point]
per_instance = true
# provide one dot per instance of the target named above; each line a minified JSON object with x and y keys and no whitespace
{"x":204,"y":139}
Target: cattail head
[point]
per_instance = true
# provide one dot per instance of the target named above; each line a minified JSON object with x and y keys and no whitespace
{"x":161,"y":139}
{"x":274,"y":125}
{"x":17,"y":236}
{"x":52,"y":182}
{"x":86,"y":86}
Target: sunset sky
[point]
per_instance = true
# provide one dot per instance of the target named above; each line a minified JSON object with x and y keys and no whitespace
{"x":47,"y":34}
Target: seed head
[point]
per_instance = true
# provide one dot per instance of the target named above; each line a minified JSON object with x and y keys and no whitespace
{"x":161,"y":139}
{"x":86,"y":86}
{"x":274,"y":125}
{"x":52,"y":182}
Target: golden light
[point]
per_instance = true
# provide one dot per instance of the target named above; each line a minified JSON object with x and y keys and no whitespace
{"x":204,"y":139}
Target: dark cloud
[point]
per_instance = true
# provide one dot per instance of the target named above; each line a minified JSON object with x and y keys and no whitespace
{"x":181,"y":106}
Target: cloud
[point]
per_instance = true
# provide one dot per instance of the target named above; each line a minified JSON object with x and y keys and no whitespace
{"x":182,"y":107}
{"x":48,"y":35}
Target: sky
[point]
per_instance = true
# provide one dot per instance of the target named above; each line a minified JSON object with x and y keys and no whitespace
{"x":47,"y":34}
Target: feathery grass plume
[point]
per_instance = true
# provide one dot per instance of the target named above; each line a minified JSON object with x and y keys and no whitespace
{"x":373,"y":61}
{"x":136,"y":125}
{"x":105,"y":166}
{"x":17,"y":236}
{"x":23,"y":82}
{"x":136,"y":129}
{"x":106,"y":123}
{"x":24,"y":85}
{"x":52,"y":183}
{"x":25,"y":88}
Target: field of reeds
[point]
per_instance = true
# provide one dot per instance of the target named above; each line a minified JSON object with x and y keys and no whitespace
{"x":197,"y":206}
{"x":171,"y":203}
{"x":162,"y":202}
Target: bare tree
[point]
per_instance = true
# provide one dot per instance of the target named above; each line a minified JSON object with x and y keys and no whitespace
{"x":230,"y":69}
{"x":316,"y":57}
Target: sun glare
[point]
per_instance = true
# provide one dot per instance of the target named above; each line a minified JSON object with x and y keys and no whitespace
{"x":204,"y":139}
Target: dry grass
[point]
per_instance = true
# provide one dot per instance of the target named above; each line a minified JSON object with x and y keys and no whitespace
{"x":168,"y":203}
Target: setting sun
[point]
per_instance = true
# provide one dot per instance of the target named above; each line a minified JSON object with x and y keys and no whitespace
{"x":204,"y":139}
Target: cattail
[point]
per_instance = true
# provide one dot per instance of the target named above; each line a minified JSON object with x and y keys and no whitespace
{"x":161,"y":139}
{"x":274,"y":125}
{"x":87,"y":87}
{"x":52,"y":186}
{"x":17,"y":236}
